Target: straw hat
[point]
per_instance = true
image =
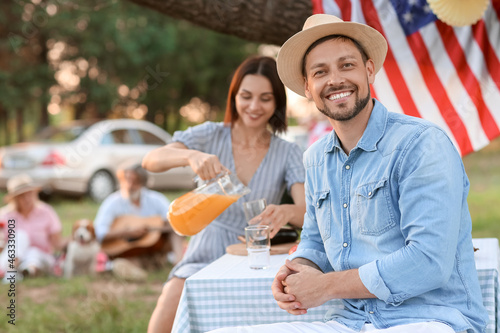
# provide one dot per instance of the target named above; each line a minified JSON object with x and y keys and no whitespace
{"x":18,"y":185}
{"x":318,"y":26}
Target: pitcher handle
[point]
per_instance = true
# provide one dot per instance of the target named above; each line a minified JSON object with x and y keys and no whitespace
{"x":200,"y":181}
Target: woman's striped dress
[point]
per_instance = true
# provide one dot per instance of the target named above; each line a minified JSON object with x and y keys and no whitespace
{"x":281,"y":167}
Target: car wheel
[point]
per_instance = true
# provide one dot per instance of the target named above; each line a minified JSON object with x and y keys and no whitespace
{"x":101,"y":184}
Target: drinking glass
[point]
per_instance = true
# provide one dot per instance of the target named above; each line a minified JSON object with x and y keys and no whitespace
{"x":254,"y":208}
{"x":258,"y":246}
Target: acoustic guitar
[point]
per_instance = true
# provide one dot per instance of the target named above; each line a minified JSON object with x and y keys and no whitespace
{"x":151,"y":242}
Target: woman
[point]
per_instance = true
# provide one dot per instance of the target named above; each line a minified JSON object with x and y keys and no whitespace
{"x":245,"y":145}
{"x":37,"y":228}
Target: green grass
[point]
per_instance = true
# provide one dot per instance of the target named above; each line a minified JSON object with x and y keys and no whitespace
{"x":483,"y":169}
{"x":105,"y":304}
{"x":82,"y":304}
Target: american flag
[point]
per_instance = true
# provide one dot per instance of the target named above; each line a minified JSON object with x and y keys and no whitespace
{"x":448,"y":75}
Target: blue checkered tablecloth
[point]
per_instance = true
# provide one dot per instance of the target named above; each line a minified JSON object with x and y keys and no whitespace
{"x":228,"y":293}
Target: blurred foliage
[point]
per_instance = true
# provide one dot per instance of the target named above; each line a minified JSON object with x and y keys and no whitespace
{"x":108,"y":58}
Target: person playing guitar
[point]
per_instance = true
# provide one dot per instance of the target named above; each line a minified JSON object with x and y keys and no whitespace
{"x":130,"y":222}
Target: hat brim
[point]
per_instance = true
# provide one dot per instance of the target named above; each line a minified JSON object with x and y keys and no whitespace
{"x":289,"y":61}
{"x":9,"y":196}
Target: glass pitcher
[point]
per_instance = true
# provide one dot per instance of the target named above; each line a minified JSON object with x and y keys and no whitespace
{"x":192,"y":212}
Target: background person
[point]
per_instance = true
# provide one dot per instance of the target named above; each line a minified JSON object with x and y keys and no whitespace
{"x":387,"y":228}
{"x":134,"y":201}
{"x":245,"y":144}
{"x":37,"y":228}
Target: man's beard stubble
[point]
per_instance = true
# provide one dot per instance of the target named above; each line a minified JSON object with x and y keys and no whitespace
{"x":131,"y":195}
{"x":134,"y":195}
{"x":358,"y":107}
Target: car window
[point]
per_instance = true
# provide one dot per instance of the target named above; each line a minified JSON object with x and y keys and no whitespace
{"x":107,"y":139}
{"x":148,"y":138}
{"x":60,"y":134}
{"x":121,"y":137}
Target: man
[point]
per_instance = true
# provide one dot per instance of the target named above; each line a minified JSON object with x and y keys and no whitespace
{"x":387,"y":227}
{"x":131,"y":205}
{"x":36,"y":226}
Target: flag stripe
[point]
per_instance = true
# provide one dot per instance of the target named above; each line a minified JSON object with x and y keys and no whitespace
{"x":438,"y":92}
{"x":450,"y":76}
{"x":455,"y":90}
{"x":468,"y":78}
{"x":492,"y":25}
{"x":345,"y":9}
{"x":396,"y":38}
{"x":382,"y":83}
{"x":490,"y":58}
{"x":496,"y":6}
{"x":486,"y":64}
{"x":317,"y":6}
{"x":392,"y":69}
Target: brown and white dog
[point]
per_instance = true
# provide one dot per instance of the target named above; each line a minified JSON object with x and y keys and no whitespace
{"x":81,"y":254}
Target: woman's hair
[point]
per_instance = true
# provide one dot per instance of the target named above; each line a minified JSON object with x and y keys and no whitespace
{"x":265,"y":66}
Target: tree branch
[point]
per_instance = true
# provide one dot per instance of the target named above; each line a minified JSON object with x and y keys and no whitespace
{"x":262,"y":21}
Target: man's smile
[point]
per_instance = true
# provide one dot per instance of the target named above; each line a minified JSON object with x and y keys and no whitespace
{"x":340,"y":95}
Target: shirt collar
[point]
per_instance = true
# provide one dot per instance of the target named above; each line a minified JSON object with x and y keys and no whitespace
{"x":373,"y":133}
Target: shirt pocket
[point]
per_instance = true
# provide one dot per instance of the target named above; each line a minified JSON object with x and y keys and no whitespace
{"x":373,"y":207}
{"x":323,"y":213}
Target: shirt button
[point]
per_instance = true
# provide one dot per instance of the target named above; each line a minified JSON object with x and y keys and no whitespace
{"x":345,"y":244}
{"x":369,"y":193}
{"x":347,"y":167}
{"x":345,"y":205}
{"x":371,"y":312}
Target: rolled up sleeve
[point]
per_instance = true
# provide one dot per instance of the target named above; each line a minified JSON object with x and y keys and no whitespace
{"x":372,"y":280}
{"x":307,"y":251}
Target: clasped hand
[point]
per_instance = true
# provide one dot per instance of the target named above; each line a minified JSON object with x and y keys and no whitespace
{"x":298,"y":287}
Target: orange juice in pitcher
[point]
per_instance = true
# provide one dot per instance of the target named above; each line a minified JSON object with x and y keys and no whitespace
{"x":192,"y":212}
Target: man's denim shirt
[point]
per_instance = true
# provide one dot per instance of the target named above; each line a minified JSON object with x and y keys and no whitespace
{"x":396,"y":209}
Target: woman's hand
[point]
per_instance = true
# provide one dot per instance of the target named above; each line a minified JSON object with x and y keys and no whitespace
{"x":176,"y":154}
{"x":207,"y":166}
{"x":275,"y":216}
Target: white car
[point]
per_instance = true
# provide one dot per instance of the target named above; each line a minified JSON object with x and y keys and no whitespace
{"x":82,"y":157}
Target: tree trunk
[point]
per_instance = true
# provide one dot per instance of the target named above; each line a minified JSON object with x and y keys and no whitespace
{"x":20,"y":124}
{"x":5,"y":128}
{"x":178,"y":121}
{"x":150,"y":115}
{"x":165,"y":120}
{"x":79,"y":110}
{"x":262,"y":21}
{"x":44,"y":114}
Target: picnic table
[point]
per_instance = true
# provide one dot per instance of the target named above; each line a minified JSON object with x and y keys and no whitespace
{"x":228,"y":293}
